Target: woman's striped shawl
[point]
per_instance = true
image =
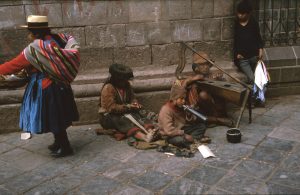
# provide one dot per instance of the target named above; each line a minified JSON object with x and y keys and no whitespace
{"x":60,"y":64}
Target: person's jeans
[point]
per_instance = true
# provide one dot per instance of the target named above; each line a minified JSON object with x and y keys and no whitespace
{"x":248,"y":67}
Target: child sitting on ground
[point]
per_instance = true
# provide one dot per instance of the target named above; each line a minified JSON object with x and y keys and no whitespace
{"x":174,"y":124}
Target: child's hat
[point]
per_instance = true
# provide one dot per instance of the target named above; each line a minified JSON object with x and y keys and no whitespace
{"x":177,"y":92}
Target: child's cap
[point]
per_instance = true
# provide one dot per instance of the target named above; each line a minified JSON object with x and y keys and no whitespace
{"x":177,"y":92}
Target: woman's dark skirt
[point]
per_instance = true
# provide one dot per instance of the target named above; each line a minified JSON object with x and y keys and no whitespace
{"x":59,"y":109}
{"x":52,"y":109}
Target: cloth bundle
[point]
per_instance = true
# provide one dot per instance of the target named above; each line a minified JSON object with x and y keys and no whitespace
{"x":60,"y":64}
{"x":262,"y":78}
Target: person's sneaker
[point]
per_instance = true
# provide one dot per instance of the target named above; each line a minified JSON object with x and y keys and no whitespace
{"x":259,"y":104}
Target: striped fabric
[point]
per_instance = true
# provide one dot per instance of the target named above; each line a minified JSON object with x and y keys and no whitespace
{"x":60,"y":64}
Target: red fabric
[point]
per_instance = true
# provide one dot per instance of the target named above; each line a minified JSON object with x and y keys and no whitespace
{"x":17,"y":64}
{"x":119,"y":136}
{"x":132,"y":131}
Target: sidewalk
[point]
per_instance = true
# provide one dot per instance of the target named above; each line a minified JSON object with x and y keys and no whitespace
{"x":267,"y":161}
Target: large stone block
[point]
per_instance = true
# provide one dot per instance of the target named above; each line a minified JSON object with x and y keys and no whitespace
{"x":217,"y":50}
{"x":275,"y":74}
{"x":84,"y":13}
{"x":133,"y":56}
{"x":11,"y":17}
{"x":153,"y":100}
{"x":202,"y":8}
{"x":78,"y":33}
{"x":297,"y":53}
{"x":95,"y":58}
{"x":88,"y":110}
{"x":290,"y":74}
{"x":136,"y":34}
{"x":117,"y":12}
{"x":159,"y":33}
{"x":187,"y":30}
{"x":176,"y":10}
{"x":17,"y":2}
{"x":167,"y":54}
{"x":212,"y":29}
{"x":7,"y":2}
{"x":227,"y":28}
{"x":53,"y":11}
{"x":281,"y":56}
{"x":12,"y":42}
{"x":9,"y":117}
{"x":223,"y":8}
{"x":105,"y":36}
{"x":144,"y":11}
{"x":46,"y":1}
{"x":279,"y":91}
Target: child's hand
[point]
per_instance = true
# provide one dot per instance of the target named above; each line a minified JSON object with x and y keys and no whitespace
{"x":188,"y":138}
{"x":198,"y":77}
{"x":135,"y":105}
{"x":260,"y":54}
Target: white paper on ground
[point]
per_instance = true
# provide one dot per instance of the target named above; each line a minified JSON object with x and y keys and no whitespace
{"x":25,"y":136}
{"x":205,"y":151}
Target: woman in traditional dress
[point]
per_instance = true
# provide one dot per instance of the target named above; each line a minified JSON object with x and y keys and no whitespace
{"x":52,"y":61}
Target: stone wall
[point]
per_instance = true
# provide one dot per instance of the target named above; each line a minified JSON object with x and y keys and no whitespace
{"x":134,"y":32}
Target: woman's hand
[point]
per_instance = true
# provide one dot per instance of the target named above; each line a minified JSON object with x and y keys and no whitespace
{"x":239,"y":57}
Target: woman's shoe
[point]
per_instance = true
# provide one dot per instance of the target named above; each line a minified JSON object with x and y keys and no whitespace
{"x":53,"y":147}
{"x":62,"y":152}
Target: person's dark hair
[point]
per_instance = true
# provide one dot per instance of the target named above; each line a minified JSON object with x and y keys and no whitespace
{"x":244,"y":7}
{"x":119,"y":76}
{"x":40,"y":33}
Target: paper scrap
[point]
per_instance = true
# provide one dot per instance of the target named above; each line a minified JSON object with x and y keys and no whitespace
{"x":25,"y":136}
{"x":169,"y":153}
{"x":205,"y":151}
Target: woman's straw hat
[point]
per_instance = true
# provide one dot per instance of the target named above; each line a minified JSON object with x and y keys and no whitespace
{"x":36,"y":21}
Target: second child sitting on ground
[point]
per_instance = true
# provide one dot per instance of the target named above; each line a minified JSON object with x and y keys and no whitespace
{"x":174,"y":125}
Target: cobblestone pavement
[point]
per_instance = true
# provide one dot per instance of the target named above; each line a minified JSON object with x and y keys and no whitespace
{"x":267,"y":161}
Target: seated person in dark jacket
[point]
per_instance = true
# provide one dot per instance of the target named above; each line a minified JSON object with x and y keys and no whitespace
{"x":248,"y":44}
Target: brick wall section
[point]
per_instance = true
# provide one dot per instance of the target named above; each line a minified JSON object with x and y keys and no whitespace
{"x":137,"y":33}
